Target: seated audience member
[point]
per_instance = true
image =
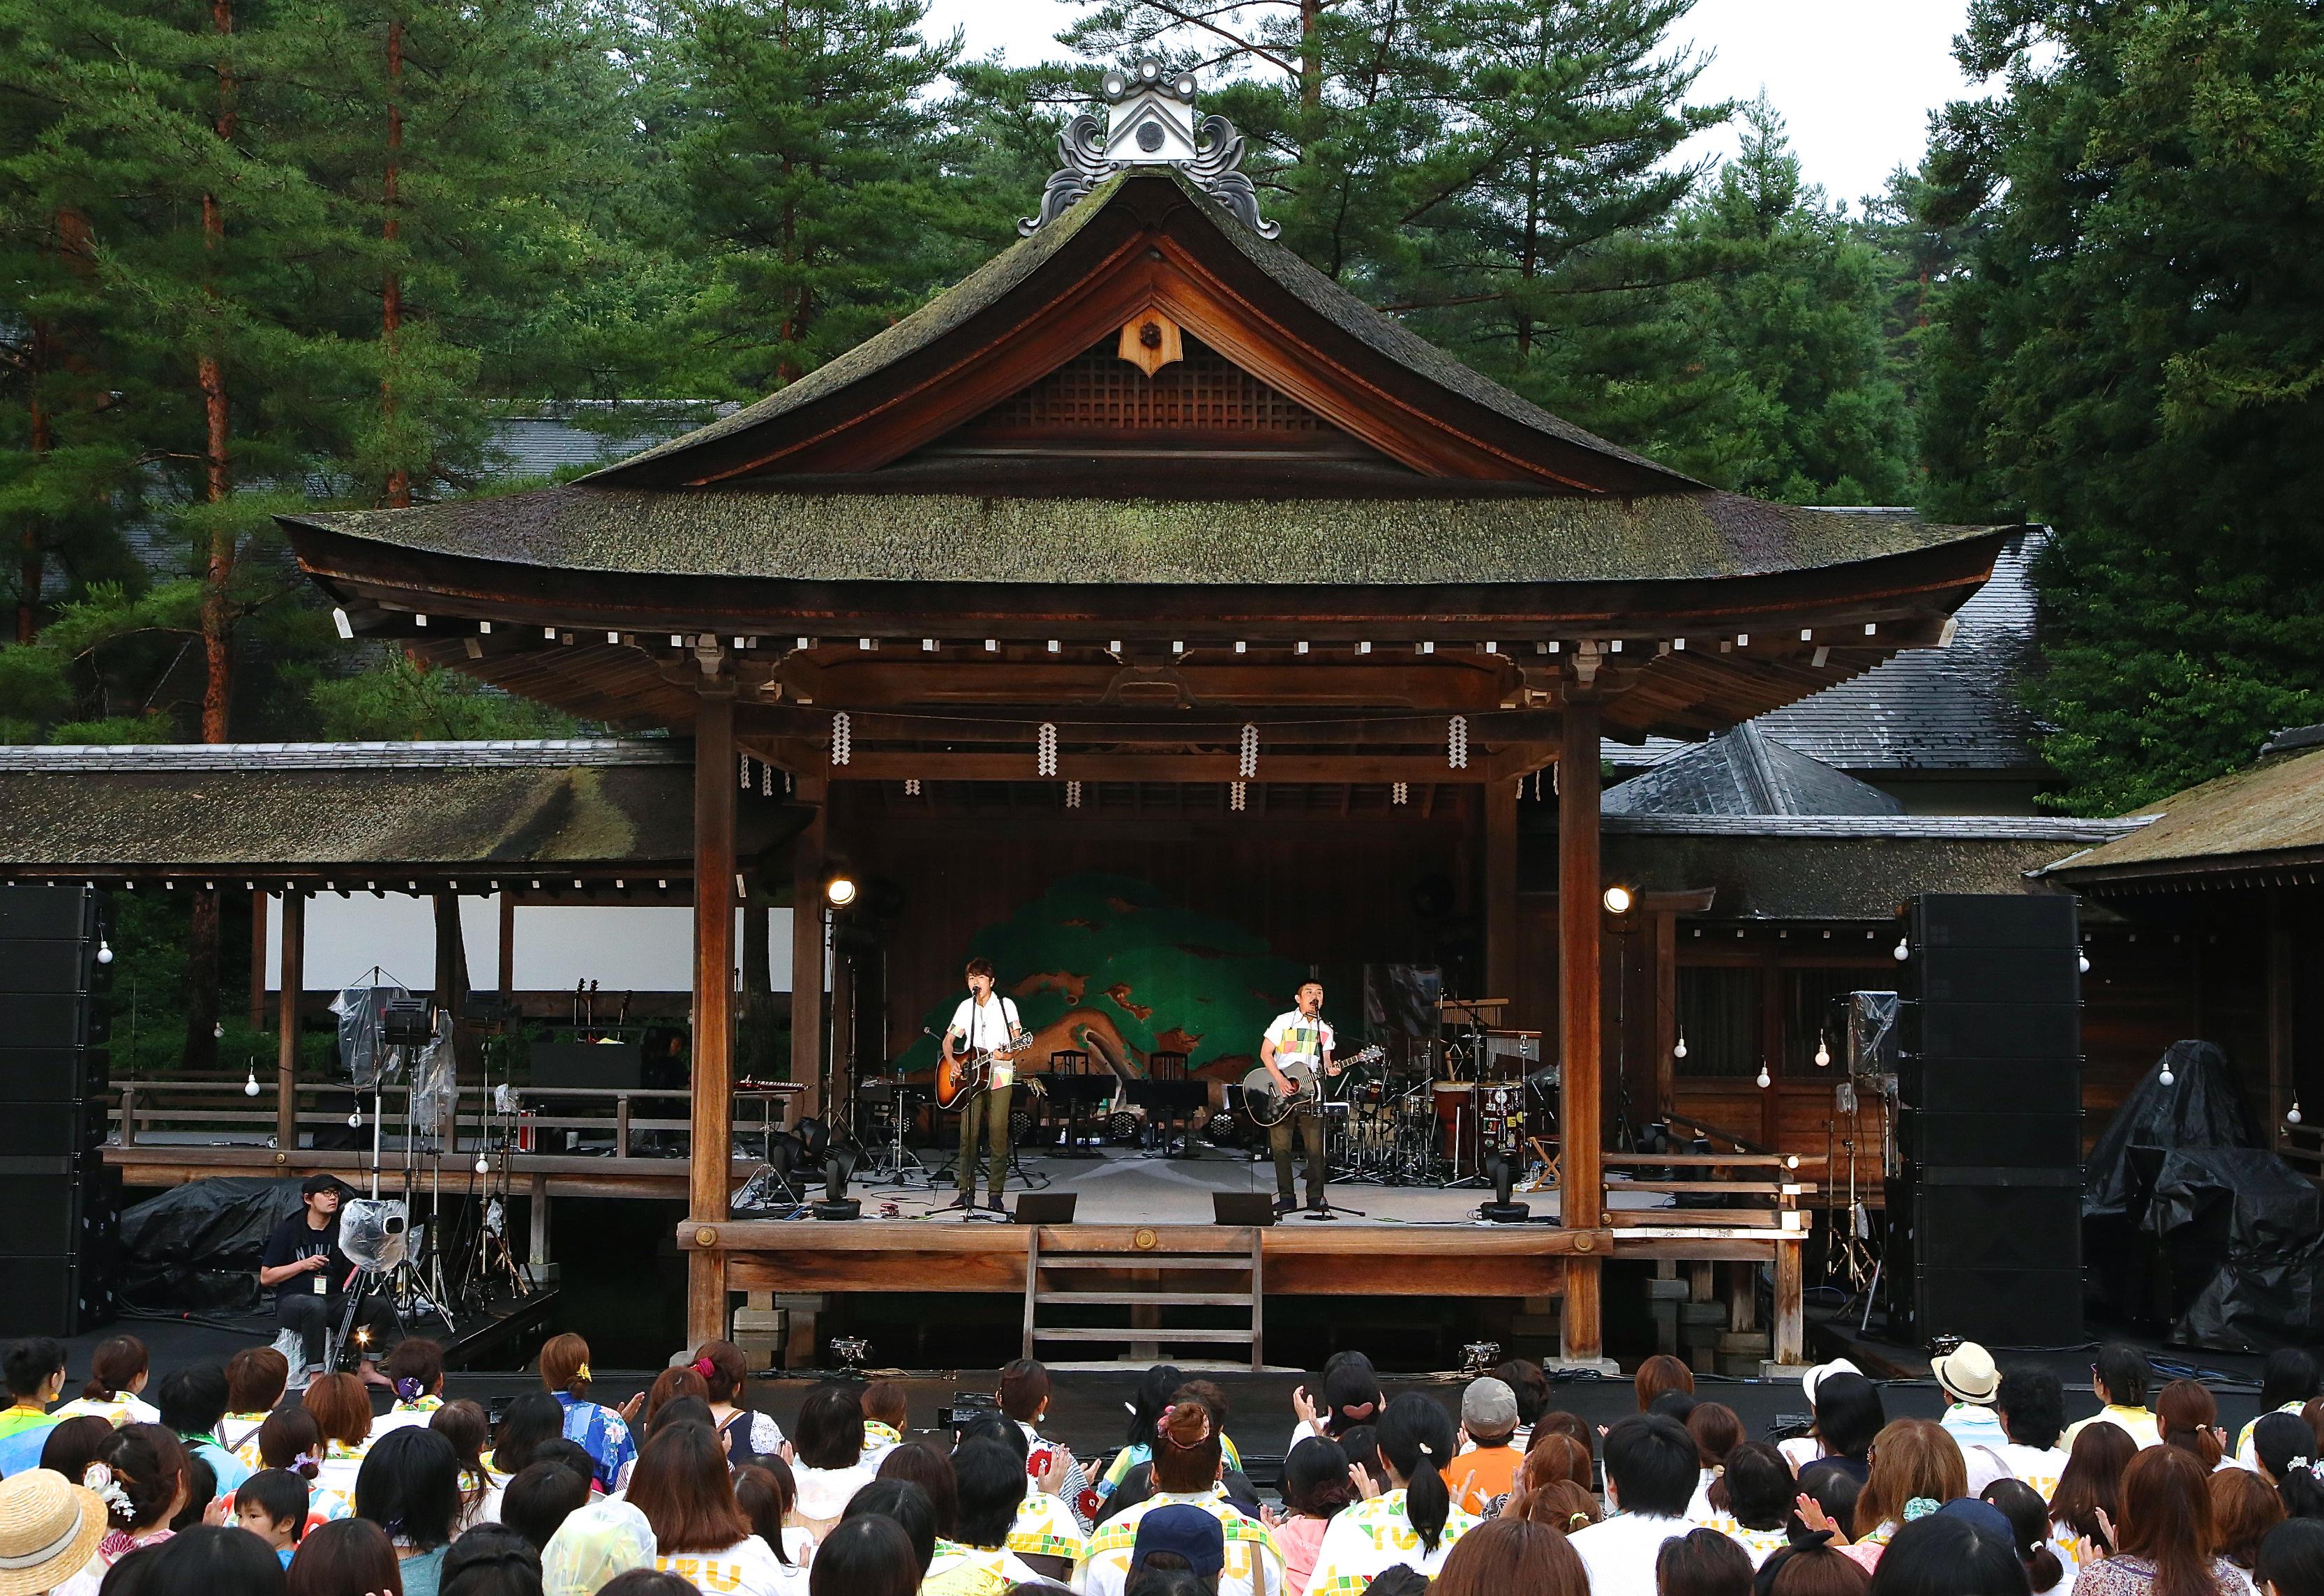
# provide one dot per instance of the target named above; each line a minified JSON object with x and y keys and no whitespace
{"x":749,"y":1432}
{"x":1174,"y":1545}
{"x":1716,"y":1431}
{"x":682,"y":1486}
{"x":2186,"y":1416}
{"x":492,"y":1561}
{"x":1483,"y":1473}
{"x":409,"y":1484}
{"x":2164,"y":1539}
{"x":2291,"y":1559}
{"x":918,"y":1462}
{"x":991,"y":1481}
{"x":527,"y":1424}
{"x":2089,"y":1491}
{"x":1848,"y":1415}
{"x":414,"y":1367}
{"x":1024,"y":1396}
{"x":1158,"y":1389}
{"x":2029,"y":1532}
{"x":1554,"y":1457}
{"x":1189,"y":1456}
{"x":1042,"y":1535}
{"x":1530,"y":1385}
{"x":1660,"y":1374}
{"x":271,"y":1504}
{"x":605,"y":1434}
{"x":117,"y":1372}
{"x":885,"y":1415}
{"x":347,"y":1557}
{"x":1346,"y":1394}
{"x":255,"y":1380}
{"x":340,"y":1406}
{"x":1970,"y":1383}
{"x":50,"y":1528}
{"x":1561,"y":1504}
{"x":1509,"y":1555}
{"x":202,"y":1559}
{"x":1963,"y":1550}
{"x":1913,"y":1461}
{"x":1702,"y":1562}
{"x":1751,"y":1500}
{"x":868,"y":1555}
{"x":290,"y":1439}
{"x":766,"y":1493}
{"x":2120,"y":1380}
{"x":909,"y":1507}
{"x":1651,"y":1470}
{"x":595,"y":1547}
{"x":681,"y":1383}
{"x":1138,"y":1484}
{"x":34,"y":1370}
{"x":140,"y":1471}
{"x":2288,"y":1383}
{"x":2033,"y":1411}
{"x":465,"y":1424}
{"x":2244,"y":1508}
{"x":70,"y":1446}
{"x":1315,"y":1488}
{"x":1412,"y":1521}
{"x":192,"y":1402}
{"x":539,"y":1497}
{"x":201,"y":1491}
{"x":827,"y":1456}
{"x":1811,"y":1567}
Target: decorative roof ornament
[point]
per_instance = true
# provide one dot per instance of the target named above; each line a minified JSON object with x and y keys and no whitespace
{"x":1150,"y":122}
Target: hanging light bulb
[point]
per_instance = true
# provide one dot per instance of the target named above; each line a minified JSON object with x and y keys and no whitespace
{"x":1765,"y":1079}
{"x":250,"y":1086}
{"x":2292,"y":1116}
{"x":1680,"y":1051}
{"x":2081,"y":961}
{"x":2167,"y":1077}
{"x":1823,"y":1052}
{"x":1904,"y":950}
{"x":104,"y":951}
{"x":354,"y":1120}
{"x":483,"y":1166}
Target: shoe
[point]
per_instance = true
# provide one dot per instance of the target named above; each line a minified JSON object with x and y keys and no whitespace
{"x":962,"y":1201}
{"x":996,"y":1205}
{"x":1283,"y":1203}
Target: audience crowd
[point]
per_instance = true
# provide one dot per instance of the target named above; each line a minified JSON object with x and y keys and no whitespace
{"x":219,"y":1478}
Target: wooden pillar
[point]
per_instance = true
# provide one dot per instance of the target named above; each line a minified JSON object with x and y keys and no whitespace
{"x":257,"y":960}
{"x":1582,"y":1188}
{"x":451,"y":954}
{"x":286,"y":1015}
{"x":712,"y":1127}
{"x":807,"y":948}
{"x":1663,"y":927}
{"x":1790,"y":1330}
{"x":2282,"y":1083}
{"x":1500,"y":893}
{"x":508,"y":950}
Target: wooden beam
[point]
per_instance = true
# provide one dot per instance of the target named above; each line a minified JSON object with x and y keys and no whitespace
{"x":932,"y":765}
{"x":806,"y":947}
{"x":1500,"y":889}
{"x":708,"y":1177}
{"x":508,"y":948}
{"x":1663,"y":930}
{"x":451,"y":953}
{"x":1789,"y":1338}
{"x":258,"y":960}
{"x":1582,"y":1187}
{"x":286,"y":1010}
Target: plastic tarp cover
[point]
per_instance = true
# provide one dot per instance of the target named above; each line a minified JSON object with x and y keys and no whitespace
{"x":2202,"y":1106}
{"x":197,"y":1246}
{"x":363,"y":1049}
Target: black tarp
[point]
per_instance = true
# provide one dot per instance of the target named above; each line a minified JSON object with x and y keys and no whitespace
{"x":197,"y":1246}
{"x":2191,"y":1224}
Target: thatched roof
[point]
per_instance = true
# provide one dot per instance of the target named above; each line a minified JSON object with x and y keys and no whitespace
{"x":2266,"y":821}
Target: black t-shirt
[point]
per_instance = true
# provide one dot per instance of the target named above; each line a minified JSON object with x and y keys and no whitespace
{"x":295,"y":1239}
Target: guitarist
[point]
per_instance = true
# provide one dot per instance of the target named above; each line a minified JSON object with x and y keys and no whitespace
{"x":1299,"y":1036}
{"x":985,"y":1020}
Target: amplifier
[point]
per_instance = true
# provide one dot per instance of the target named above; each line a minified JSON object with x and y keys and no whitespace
{"x":1990,"y":1141}
{"x":1993,"y":1030}
{"x":1981,"y":1085}
{"x":1993,"y":920}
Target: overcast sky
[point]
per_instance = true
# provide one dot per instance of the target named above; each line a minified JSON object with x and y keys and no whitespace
{"x":1855,"y":79}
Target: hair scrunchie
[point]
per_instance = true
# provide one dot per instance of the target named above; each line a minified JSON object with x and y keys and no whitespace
{"x":703,"y":1367}
{"x":409,"y":1388}
{"x":1920,"y":1507}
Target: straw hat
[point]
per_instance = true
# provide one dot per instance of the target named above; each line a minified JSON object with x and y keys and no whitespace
{"x":1967,"y":1373}
{"x":49,"y":1530}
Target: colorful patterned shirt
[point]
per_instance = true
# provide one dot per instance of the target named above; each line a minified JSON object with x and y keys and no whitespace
{"x":602,"y":1432}
{"x":1044,"y":1527}
{"x":1254,"y":1566}
{"x":974,"y":1570}
{"x":1759,"y":1544}
{"x":1369,"y":1537}
{"x":238,"y":1433}
{"x":23,"y":1419}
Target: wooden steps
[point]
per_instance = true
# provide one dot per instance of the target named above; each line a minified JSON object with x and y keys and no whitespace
{"x":1158,"y":1274}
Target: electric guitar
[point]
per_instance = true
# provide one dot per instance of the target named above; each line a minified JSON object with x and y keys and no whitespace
{"x":1266,"y":1104}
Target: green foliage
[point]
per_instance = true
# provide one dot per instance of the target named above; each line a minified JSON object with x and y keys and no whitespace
{"x":401,"y":701}
{"x":2131,"y":350}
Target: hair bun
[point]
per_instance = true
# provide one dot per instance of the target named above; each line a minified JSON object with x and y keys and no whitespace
{"x":1184,"y":1425}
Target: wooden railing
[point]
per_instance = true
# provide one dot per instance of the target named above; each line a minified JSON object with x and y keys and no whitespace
{"x":1761,"y":1190}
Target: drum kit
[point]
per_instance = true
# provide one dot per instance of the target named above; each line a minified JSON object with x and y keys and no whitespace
{"x":1470,"y":1096}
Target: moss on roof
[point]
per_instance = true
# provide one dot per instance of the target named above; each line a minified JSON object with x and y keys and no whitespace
{"x":2252,"y":815}
{"x":746,"y":532}
{"x":1817,"y":878}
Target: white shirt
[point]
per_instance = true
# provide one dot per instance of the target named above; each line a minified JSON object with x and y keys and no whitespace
{"x":746,"y":1568}
{"x":989,"y":1024}
{"x":1369,"y":1537}
{"x":824,"y":1493}
{"x":1800,"y":1450}
{"x":2038,"y":1468}
{"x":1296,"y":1036}
{"x":1621,"y":1553}
{"x":1252,"y":1567}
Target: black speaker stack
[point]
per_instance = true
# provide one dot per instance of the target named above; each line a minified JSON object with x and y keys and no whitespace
{"x":1985,"y":1221}
{"x":60,"y":1238}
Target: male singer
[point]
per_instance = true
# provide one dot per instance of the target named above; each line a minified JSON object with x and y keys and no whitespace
{"x":988,"y":1020}
{"x":1298,"y":1039}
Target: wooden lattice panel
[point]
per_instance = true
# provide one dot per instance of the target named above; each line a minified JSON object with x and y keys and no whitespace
{"x":1100,"y":395}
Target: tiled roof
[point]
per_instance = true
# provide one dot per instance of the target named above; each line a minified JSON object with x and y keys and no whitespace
{"x":2037,"y":828}
{"x":544,"y":439}
{"x":1953,"y":709}
{"x":1745,"y":771}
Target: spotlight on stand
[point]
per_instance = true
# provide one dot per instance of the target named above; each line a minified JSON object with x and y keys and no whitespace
{"x":1501,"y":1210}
{"x":1619,"y":898}
{"x":839,"y":892}
{"x":836,"y":1204}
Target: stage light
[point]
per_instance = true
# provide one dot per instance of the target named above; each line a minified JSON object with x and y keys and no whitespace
{"x":840,"y":891}
{"x":1619,"y":898}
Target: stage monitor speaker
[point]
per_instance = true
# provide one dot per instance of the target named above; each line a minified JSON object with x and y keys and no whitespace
{"x":1044,"y":1208}
{"x":1250,"y":1208}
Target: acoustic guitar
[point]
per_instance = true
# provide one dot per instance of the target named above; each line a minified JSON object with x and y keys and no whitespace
{"x":1268,"y":1107}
